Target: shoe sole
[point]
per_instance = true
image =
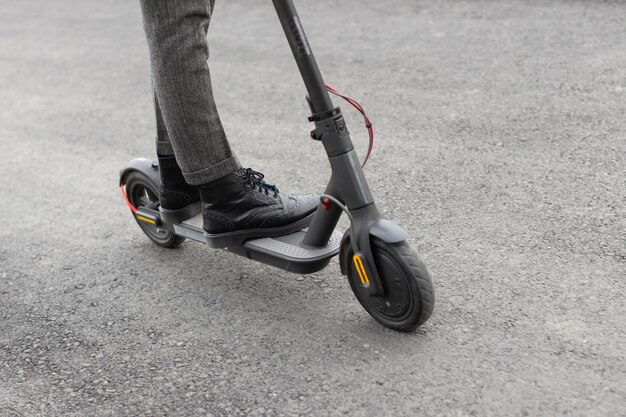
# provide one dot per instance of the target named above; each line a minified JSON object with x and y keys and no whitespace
{"x":224,"y":240}
{"x":180,"y":215}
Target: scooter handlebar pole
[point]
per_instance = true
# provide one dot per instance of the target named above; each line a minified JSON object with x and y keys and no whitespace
{"x":348,"y":182}
{"x":288,"y":16}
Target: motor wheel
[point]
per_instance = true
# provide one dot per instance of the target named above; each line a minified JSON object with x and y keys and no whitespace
{"x":142,"y":192}
{"x":408,"y":298}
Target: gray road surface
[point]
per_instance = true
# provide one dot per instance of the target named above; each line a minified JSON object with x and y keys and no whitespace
{"x":501,"y":148}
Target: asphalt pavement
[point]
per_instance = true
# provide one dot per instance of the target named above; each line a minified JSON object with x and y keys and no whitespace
{"x":500,"y":146}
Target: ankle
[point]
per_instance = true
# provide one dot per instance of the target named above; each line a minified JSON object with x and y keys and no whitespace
{"x":167,"y":161}
{"x":222,"y":190}
{"x":171,"y":174}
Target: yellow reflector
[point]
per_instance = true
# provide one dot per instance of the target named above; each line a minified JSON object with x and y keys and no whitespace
{"x":360,"y":269}
{"x":147,"y":220}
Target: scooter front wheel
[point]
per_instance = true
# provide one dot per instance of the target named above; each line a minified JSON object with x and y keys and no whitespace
{"x":143,"y":193}
{"x":408,"y":298}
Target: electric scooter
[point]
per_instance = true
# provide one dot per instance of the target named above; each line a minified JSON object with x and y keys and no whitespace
{"x":386,"y":275}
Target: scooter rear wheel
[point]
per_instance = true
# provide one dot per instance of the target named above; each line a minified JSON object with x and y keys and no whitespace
{"x":143,"y":193}
{"x":408,"y":299}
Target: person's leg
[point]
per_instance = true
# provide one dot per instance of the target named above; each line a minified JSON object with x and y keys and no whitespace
{"x":176,"y":33}
{"x":179,"y":201}
{"x":163,"y":144}
{"x":236,"y":203}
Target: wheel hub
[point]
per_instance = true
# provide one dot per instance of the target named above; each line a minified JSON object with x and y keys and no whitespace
{"x":397,"y":299}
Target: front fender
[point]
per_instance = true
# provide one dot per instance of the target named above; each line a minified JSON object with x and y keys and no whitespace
{"x":382,"y":228}
{"x":388,"y":231}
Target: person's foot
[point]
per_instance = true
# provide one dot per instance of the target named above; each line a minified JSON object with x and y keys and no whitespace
{"x":179,"y":200}
{"x":242,"y":206}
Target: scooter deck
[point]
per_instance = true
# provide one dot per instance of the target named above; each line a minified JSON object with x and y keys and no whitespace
{"x":284,"y":252}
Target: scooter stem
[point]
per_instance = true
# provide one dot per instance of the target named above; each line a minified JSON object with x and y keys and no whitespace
{"x":319,"y":98}
{"x":347,"y":183}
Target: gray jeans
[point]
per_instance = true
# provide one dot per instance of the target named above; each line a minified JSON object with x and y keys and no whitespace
{"x":188,"y":125}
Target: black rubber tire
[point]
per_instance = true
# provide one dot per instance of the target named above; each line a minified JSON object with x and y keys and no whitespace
{"x":397,"y":261}
{"x":140,"y":191}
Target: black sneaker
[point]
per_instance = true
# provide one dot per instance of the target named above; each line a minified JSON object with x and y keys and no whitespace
{"x":179,"y":200}
{"x":242,"y":206}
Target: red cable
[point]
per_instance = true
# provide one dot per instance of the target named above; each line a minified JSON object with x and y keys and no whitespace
{"x":368,"y":122}
{"x":128,"y":203}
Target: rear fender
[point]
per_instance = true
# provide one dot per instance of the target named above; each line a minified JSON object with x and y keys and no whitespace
{"x":148,"y":167}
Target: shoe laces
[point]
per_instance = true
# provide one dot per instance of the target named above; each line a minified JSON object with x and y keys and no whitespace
{"x":255,"y":180}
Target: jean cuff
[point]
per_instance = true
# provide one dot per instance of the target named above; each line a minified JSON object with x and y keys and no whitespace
{"x":213,"y":172}
{"x":164,"y":148}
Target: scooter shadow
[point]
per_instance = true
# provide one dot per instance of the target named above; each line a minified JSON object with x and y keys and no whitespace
{"x":320,"y":305}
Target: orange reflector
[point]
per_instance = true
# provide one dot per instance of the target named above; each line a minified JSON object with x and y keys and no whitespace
{"x":145,"y":219}
{"x":360,"y":269}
